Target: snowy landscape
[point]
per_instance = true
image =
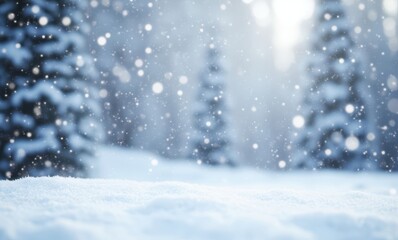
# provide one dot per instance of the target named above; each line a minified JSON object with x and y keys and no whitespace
{"x":211,"y":119}
{"x":137,"y":195}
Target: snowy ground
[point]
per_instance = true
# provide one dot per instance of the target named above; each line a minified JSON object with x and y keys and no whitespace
{"x":156,"y":199}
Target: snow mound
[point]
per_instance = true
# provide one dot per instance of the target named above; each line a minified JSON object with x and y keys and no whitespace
{"x":162,"y":199}
{"x":59,"y":208}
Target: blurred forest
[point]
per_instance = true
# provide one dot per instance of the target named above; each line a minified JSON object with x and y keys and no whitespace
{"x":151,"y":60}
{"x":265,"y":46}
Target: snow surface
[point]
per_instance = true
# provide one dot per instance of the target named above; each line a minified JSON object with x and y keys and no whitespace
{"x":141,"y":196}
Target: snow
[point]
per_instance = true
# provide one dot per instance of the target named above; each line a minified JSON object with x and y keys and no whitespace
{"x":136,"y":195}
{"x":57,"y":66}
{"x":19,"y":55}
{"x":24,"y":120}
{"x":45,"y":141}
{"x":332,"y":92}
{"x":36,"y":92}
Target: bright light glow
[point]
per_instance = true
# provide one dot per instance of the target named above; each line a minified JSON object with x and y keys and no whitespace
{"x":293,"y":10}
{"x":140,"y":73}
{"x":43,"y":21}
{"x":357,"y":29}
{"x":66,"y":21}
{"x":139,"y":63}
{"x":255,"y":146}
{"x":148,"y":27}
{"x":371,"y":136}
{"x":282,"y":164}
{"x":327,"y":16}
{"x":183,"y":80}
{"x":157,"y":87}
{"x":35,"y":9}
{"x":328,"y":152}
{"x":390,"y":7}
{"x":148,"y":50}
{"x":11,"y":16}
{"x":80,"y":61}
{"x":35,"y":70}
{"x":261,"y":12}
{"x":154,"y":162}
{"x":289,"y":16}
{"x":101,"y":41}
{"x":349,"y":108}
{"x":393,"y":191}
{"x":352,"y":143}
{"x":298,"y":121}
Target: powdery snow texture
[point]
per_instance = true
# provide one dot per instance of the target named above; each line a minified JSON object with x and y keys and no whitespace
{"x":211,"y":204}
{"x":57,"y":208}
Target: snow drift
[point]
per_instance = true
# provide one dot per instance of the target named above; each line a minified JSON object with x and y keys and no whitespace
{"x":178,"y":200}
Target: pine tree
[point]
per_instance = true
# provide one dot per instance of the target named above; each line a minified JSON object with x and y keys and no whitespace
{"x":376,"y":43}
{"x":211,"y":141}
{"x":47,"y":108}
{"x":338,"y":130}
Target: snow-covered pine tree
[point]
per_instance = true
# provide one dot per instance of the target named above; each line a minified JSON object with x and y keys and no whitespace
{"x":47,"y":108}
{"x":338,"y":130}
{"x":211,"y":141}
{"x":376,"y":44}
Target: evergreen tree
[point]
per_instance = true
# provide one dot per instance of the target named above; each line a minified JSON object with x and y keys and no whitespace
{"x":338,"y":130}
{"x":381,"y":52}
{"x":47,"y":107}
{"x":211,"y":141}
